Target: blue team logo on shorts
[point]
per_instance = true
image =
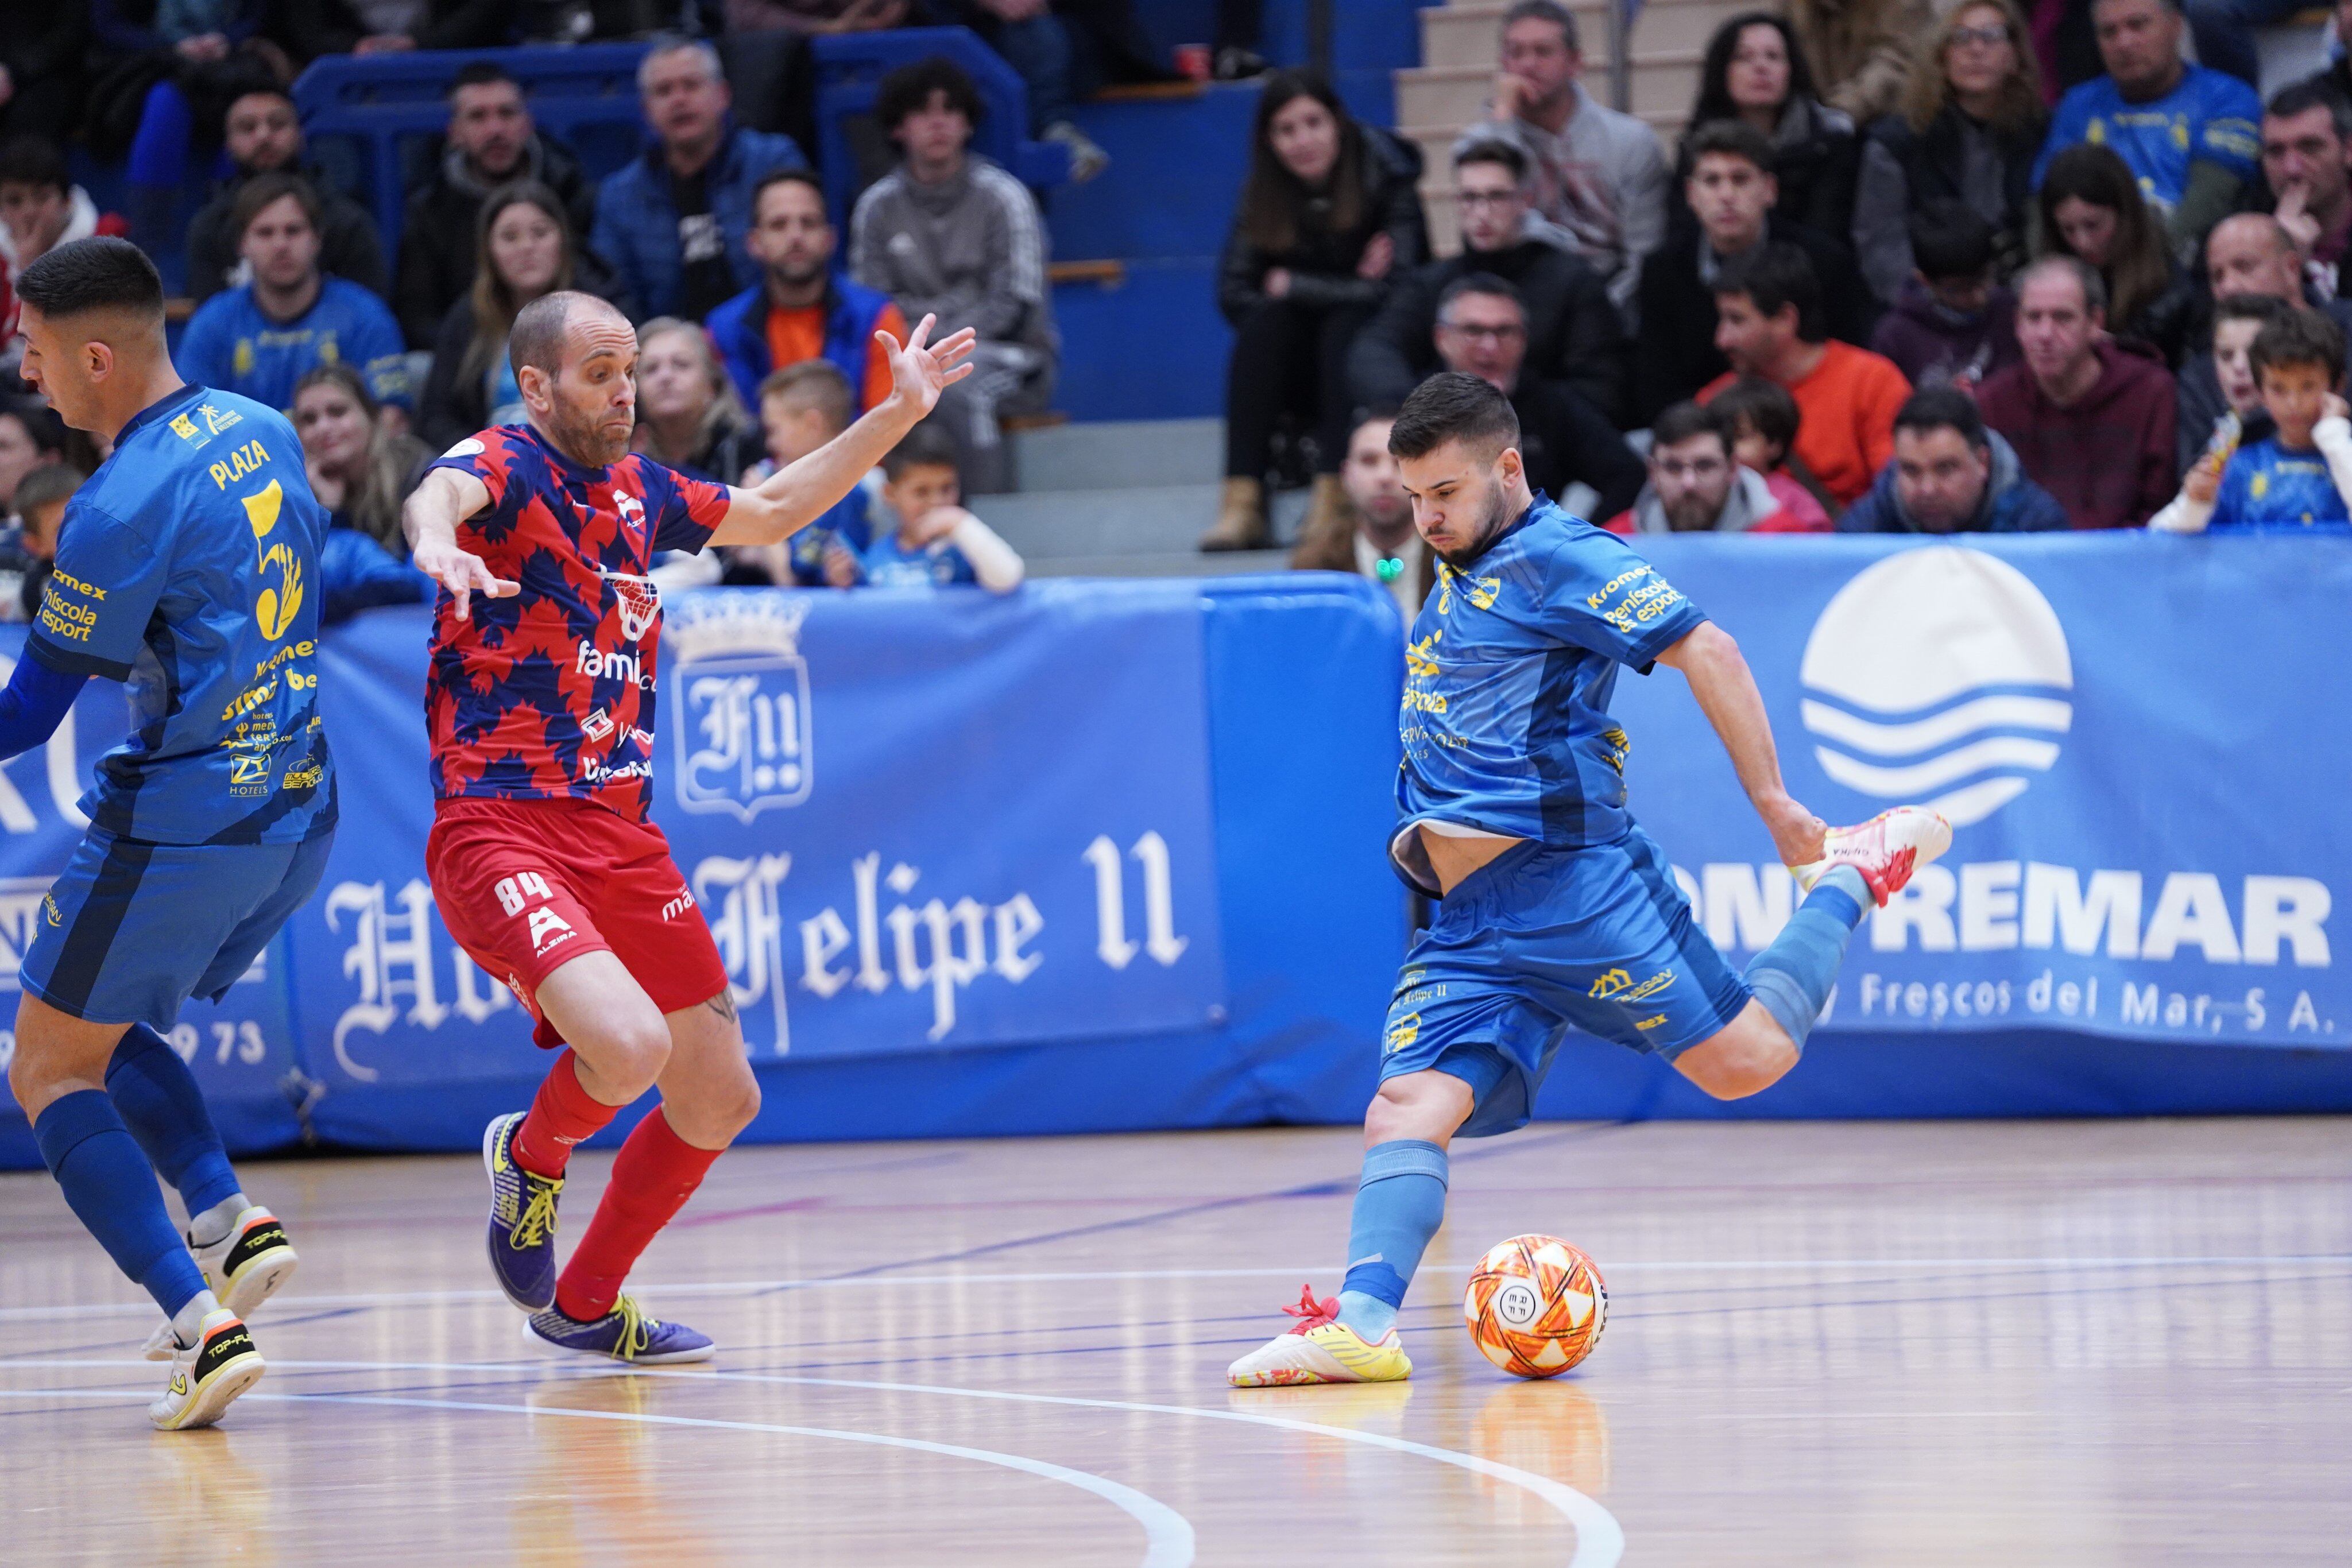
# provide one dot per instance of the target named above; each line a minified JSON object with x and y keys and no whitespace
{"x":744,"y":742}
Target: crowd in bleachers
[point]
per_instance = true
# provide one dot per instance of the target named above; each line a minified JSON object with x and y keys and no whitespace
{"x":1904,"y":271}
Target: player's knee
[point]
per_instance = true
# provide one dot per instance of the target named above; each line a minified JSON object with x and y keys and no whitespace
{"x":740,"y":1104}
{"x":633,"y":1052}
{"x":1427,"y":1105}
{"x":1738,"y":1063}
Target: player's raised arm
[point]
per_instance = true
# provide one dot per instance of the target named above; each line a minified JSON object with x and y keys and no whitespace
{"x":797,"y":494}
{"x":431,"y":516}
{"x":1727,"y":693}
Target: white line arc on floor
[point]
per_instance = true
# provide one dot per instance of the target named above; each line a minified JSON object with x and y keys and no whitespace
{"x":1168,"y":1535}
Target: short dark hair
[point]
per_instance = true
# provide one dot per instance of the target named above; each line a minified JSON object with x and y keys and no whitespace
{"x":1732,"y":137}
{"x":1950,"y":239}
{"x":1764,"y":406}
{"x":1942,"y":408}
{"x":265,"y":190}
{"x":2264,"y":308}
{"x":100,"y":273}
{"x":1551,"y":11}
{"x":904,"y":91}
{"x":1680,"y":421}
{"x":1774,"y":276}
{"x":785,"y":177}
{"x":2303,"y":97}
{"x":1494,"y":150}
{"x":1485,"y":283}
{"x":33,"y":161}
{"x":49,"y":483}
{"x":927,"y":445}
{"x":42,"y":426}
{"x":812,"y":383}
{"x":1454,"y":406}
{"x":2298,"y":336}
{"x":482,"y":73}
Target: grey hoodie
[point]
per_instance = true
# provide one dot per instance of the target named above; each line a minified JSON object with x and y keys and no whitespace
{"x":1750,"y":502}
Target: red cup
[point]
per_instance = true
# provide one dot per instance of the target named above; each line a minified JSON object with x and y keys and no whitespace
{"x":1192,"y":60}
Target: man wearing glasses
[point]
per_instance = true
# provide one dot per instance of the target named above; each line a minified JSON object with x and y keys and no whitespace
{"x":1482,"y":331}
{"x":1575,"y":337}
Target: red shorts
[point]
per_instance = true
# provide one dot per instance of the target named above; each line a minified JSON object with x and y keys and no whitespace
{"x":526,"y":886}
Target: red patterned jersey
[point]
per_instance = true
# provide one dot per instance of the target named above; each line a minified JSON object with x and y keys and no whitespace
{"x":550,"y":693}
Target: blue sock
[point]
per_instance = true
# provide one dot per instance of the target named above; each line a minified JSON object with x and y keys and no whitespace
{"x":1399,"y":1203}
{"x":165,"y":1110}
{"x":1793,"y":975}
{"x":111,"y":1190}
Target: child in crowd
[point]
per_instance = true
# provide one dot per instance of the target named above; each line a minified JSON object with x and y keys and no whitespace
{"x":1951,"y":324}
{"x":936,"y":542}
{"x":1764,"y":420}
{"x":2299,"y":478}
{"x":2236,"y":321}
{"x":28,"y":551}
{"x":801,"y":407}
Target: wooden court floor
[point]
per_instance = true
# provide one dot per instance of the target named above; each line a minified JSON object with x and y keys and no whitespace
{"x":2044,"y":1343}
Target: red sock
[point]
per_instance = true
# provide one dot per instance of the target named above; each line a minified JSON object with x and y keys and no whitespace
{"x":561,"y":1115}
{"x":653,"y":1175}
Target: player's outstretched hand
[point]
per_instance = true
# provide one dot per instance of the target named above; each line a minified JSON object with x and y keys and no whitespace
{"x":1796,"y":833}
{"x":919,"y":372}
{"x":462,"y":574}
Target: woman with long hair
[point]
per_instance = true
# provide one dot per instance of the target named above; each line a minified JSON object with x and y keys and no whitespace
{"x":688,"y":416}
{"x":2092,"y":210}
{"x":359,"y":471}
{"x":523,"y":249}
{"x":1328,"y":214}
{"x":1971,"y":122}
{"x":1756,"y":70}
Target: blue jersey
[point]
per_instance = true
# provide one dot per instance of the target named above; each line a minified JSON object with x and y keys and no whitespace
{"x":1507,"y":679}
{"x":2267,"y":487}
{"x":849,"y":521}
{"x":2210,"y":118}
{"x":937,"y":565}
{"x":188,"y":568}
{"x":231,"y":345}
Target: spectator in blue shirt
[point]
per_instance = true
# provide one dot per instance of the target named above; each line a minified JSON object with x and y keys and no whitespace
{"x":260,"y":339}
{"x":937,"y":543}
{"x":801,"y":407}
{"x":672,"y":223}
{"x":2188,"y":133}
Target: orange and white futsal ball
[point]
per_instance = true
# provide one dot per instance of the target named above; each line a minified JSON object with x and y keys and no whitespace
{"x":1535,"y":1306}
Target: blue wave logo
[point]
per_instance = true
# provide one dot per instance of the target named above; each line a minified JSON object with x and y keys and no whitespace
{"x":1939,"y":676}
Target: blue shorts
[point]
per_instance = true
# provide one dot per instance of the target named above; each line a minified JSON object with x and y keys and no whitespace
{"x":1538,"y":941}
{"x":131,"y":929}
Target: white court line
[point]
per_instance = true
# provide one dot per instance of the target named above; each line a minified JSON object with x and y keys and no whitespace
{"x":1600,"y":1539}
{"x":1614,"y":1269}
{"x":1168,"y":1535}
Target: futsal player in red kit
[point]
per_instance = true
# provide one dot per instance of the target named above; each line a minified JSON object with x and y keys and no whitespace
{"x":541,"y":706}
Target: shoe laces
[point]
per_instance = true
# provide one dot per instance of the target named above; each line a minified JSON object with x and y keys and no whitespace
{"x":1311,"y":1313}
{"x":636,"y":1328}
{"x":538,"y":1221}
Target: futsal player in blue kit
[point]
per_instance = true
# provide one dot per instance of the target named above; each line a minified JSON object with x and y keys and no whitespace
{"x":1556,"y":910}
{"x":186,"y":569}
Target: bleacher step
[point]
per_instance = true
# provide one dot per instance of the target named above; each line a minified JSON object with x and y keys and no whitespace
{"x":1110,"y":454}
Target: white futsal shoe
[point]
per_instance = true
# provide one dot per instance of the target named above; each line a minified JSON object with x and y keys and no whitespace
{"x":1319,"y":1348}
{"x":1886,"y":850}
{"x":243,"y":1269}
{"x":223,"y":1363}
